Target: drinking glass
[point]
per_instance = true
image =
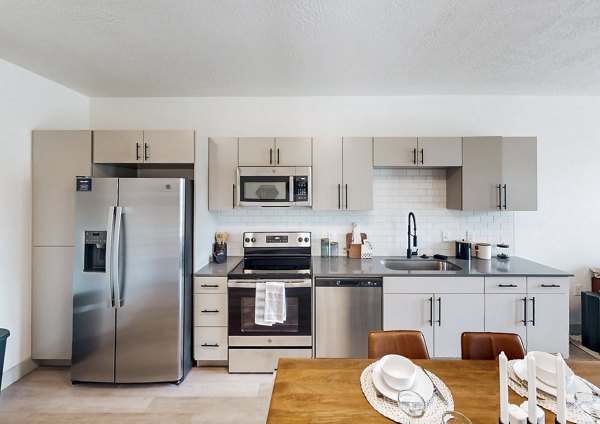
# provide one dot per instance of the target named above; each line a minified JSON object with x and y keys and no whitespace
{"x":411,"y":403}
{"x":588,"y":403}
{"x":455,"y":417}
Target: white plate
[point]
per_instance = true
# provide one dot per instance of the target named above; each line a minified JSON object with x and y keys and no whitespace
{"x":520,"y":369}
{"x":422,"y":384}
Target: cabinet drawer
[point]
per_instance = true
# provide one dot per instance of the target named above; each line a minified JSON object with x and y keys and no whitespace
{"x":433,"y":285}
{"x":210,"y":309}
{"x":505,"y":284}
{"x":210,"y":343}
{"x":210,"y":284}
{"x":547,"y":284}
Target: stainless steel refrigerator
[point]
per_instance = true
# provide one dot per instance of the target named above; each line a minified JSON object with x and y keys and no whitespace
{"x":132,"y":280}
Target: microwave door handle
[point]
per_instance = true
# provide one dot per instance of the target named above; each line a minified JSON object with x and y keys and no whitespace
{"x":116,"y":255}
{"x":108,"y":258}
{"x":291,"y":196}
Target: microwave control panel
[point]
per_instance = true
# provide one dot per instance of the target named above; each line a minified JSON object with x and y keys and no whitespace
{"x":301,"y":189}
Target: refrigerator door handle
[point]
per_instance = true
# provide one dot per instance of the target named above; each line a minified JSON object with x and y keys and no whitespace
{"x":116,"y":254}
{"x":109,"y":264}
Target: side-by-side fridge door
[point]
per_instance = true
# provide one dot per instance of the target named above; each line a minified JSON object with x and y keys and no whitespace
{"x":151,"y":281}
{"x":93,"y":291}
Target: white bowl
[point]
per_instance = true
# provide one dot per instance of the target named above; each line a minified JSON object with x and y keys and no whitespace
{"x":545,"y":369}
{"x":398,"y":372}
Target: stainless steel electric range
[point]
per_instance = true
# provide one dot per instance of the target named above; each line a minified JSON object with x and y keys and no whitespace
{"x":279,"y":257}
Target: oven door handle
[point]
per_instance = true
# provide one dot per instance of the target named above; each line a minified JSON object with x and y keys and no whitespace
{"x":251,"y":284}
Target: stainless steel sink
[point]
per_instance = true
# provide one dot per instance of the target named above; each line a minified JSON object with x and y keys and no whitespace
{"x":419,"y":265}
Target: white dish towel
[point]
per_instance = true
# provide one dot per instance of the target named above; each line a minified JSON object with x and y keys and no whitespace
{"x":269,"y":303}
{"x":259,"y":305}
{"x":275,"y":307}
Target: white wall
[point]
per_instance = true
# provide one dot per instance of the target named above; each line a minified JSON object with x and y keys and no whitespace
{"x":27,"y":102}
{"x":563,"y":232}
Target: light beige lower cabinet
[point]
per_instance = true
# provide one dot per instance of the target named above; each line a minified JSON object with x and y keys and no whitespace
{"x":536,"y":308}
{"x":210,"y":319}
{"x":52,"y":303}
{"x":441,"y":308}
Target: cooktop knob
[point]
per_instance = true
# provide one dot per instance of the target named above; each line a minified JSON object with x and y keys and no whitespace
{"x":306,"y":239}
{"x":253,"y":239}
{"x":247,"y":240}
{"x":299,"y":239}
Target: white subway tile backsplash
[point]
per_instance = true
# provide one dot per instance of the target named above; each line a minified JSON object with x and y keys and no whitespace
{"x":396,"y":192}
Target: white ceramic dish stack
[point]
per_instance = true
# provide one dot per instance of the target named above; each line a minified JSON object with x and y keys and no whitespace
{"x":398,"y":371}
{"x":422,"y":384}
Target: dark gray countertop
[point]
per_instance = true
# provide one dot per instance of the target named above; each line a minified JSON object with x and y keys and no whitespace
{"x":345,"y":267}
{"x":213,"y":269}
{"x":514,"y":266}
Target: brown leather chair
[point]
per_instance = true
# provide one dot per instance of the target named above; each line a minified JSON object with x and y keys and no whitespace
{"x":482,"y":345}
{"x":401,"y":342}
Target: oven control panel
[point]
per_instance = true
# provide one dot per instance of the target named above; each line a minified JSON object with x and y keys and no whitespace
{"x":263,"y":239}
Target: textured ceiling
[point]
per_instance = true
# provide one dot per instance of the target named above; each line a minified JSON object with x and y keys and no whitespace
{"x":307,"y":47}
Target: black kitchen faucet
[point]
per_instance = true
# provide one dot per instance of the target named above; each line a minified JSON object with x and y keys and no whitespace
{"x":409,"y":251}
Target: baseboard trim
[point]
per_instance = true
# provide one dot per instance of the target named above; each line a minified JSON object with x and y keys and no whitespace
{"x":17,"y":372}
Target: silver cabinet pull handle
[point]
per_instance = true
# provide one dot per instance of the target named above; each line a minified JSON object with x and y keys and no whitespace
{"x":210,"y":345}
{"x":414,"y":156}
{"x":533,"y":311}
{"x":146,"y":155}
{"x":422,"y":157}
{"x":277,"y":156}
{"x":271,"y":156}
{"x":233,"y":197}
{"x":439,"y":320}
{"x":209,"y":311}
{"x":339,"y":196}
{"x":504,"y":187}
{"x":550,"y":285}
{"x":209,"y":285}
{"x":137,"y":151}
{"x":507,"y":285}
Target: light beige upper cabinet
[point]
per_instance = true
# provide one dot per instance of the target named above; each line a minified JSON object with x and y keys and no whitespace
{"x":143,"y":146}
{"x":222,"y":165}
{"x":270,"y":151}
{"x":342,"y":176}
{"x":58,"y":157}
{"x":168,"y":146}
{"x":413,"y":151}
{"x":498,"y":173}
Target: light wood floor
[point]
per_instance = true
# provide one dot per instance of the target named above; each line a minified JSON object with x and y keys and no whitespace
{"x":208,"y":395}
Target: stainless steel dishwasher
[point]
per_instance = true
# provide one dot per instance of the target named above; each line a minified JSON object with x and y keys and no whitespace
{"x":346,"y":310}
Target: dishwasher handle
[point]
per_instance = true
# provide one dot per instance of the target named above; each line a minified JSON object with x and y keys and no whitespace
{"x":348,"y":282}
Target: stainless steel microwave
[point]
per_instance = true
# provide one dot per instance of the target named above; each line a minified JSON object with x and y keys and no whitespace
{"x":274,"y":186}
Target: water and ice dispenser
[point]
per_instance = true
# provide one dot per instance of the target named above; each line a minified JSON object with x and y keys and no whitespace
{"x":94,"y":257}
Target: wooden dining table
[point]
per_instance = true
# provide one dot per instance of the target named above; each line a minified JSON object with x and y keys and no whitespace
{"x":329,"y":391}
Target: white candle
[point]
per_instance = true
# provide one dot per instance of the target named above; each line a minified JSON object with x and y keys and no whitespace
{"x":503,"y":389}
{"x":531,"y":394}
{"x":561,"y":392}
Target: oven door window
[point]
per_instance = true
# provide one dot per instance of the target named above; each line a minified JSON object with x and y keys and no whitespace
{"x":265,"y":189}
{"x":242,"y":314}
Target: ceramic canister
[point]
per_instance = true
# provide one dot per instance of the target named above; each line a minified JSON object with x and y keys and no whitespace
{"x":463,"y":250}
{"x":483,"y":250}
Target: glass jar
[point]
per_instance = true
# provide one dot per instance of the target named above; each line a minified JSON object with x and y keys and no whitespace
{"x":502,"y":251}
{"x":334,"y":248}
{"x":325,"y":247}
